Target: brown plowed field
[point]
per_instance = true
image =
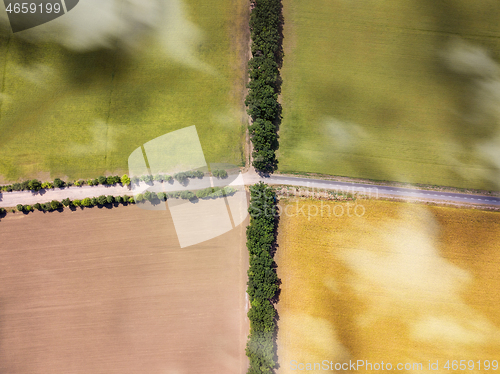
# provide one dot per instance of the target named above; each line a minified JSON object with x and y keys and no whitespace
{"x":110,"y":291}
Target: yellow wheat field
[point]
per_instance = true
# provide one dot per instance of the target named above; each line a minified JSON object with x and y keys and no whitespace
{"x":403,"y":284}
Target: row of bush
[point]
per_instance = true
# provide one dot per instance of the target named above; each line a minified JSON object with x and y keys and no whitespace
{"x":265,"y":82}
{"x":86,"y":202}
{"x":36,"y":185}
{"x":263,"y":282}
{"x":210,"y":192}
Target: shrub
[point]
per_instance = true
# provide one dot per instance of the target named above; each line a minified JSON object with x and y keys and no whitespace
{"x":147,"y":195}
{"x":229,"y":190}
{"x":76,"y":202}
{"x":125,"y":180}
{"x":180,"y":177}
{"x":47,"y":207}
{"x":54,"y":204}
{"x":58,"y":183}
{"x":25,"y":185}
{"x":135,"y":180}
{"x":17,"y":187}
{"x":20,"y":207}
{"x":110,"y":199}
{"x":200,"y":194}
{"x":162,"y":196}
{"x":118,"y":199}
{"x":7,"y":188}
{"x":37,"y":206}
{"x":110,"y":180}
{"x":174,"y":195}
{"x":131,"y":200}
{"x":158,"y":178}
{"x":87,"y":202}
{"x":94,"y":201}
{"x":28,"y":208}
{"x":187,"y":195}
{"x":34,"y":185}
{"x":102,"y":200}
{"x":220,"y":174}
{"x":102,"y":179}
{"x":66,"y":202}
{"x":139,"y":197}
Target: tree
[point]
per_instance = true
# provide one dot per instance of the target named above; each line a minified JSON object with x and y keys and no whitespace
{"x":125,"y":180}
{"x":66,"y":202}
{"x":34,"y":185}
{"x":181,"y":177}
{"x":20,"y":207}
{"x":139,"y":197}
{"x":58,"y":183}
{"x":86,"y":202}
{"x":110,"y":199}
{"x":102,"y":200}
{"x":76,"y":202}
{"x":54,"y":204}
{"x":37,"y":206}
{"x":119,"y":199}
{"x":187,"y":195}
{"x":28,"y":208}
{"x":94,"y":201}
{"x":102,"y":179}
{"x":111,"y":180}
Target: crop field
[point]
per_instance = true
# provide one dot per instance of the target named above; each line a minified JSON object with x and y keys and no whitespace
{"x":75,"y":112}
{"x":111,"y":291}
{"x":402,"y":283}
{"x":392,"y":90}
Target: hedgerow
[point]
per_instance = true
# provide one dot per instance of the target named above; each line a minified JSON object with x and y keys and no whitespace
{"x":265,"y":83}
{"x":263,"y":282}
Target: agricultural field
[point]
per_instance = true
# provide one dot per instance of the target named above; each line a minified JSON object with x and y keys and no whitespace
{"x":111,"y":291}
{"x":392,"y":90}
{"x":76,"y":102}
{"x":401,"y":283}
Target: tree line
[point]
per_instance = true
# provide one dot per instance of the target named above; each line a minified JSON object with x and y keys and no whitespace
{"x":153,"y":197}
{"x":263,"y":282}
{"x":266,"y":23}
{"x":36,"y":185}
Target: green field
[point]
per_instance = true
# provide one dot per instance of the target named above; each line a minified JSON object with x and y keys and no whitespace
{"x":77,"y":115}
{"x":384,"y":90}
